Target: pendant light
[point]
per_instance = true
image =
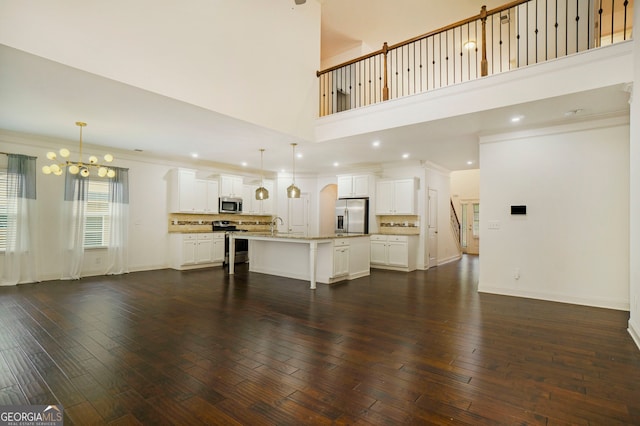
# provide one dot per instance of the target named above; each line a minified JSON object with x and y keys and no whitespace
{"x":293,"y":191}
{"x":262,"y":193}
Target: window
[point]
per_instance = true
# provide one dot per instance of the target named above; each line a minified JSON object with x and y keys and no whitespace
{"x":4,"y":209}
{"x":96,"y":228}
{"x":476,"y":220}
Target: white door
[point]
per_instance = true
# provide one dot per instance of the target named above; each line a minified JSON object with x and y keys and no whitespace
{"x":472,"y":227}
{"x":299,"y":215}
{"x":432,"y":227}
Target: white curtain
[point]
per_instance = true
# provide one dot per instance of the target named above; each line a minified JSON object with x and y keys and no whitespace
{"x":20,"y":258}
{"x":119,"y":227}
{"x":76,"y":197}
{"x":74,"y":218}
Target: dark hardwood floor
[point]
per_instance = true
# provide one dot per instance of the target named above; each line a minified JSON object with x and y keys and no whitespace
{"x":201,"y":347}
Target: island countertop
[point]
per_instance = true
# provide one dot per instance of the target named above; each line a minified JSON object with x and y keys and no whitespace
{"x":329,"y":258}
{"x":287,"y":236}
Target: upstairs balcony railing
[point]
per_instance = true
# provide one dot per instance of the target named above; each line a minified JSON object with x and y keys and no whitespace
{"x":517,"y":34}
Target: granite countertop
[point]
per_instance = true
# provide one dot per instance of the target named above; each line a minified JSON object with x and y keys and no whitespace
{"x":286,"y":236}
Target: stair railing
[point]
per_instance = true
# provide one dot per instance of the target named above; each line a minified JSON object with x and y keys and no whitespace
{"x":514,"y":35}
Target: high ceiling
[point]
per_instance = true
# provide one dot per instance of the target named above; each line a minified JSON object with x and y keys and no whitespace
{"x":127,"y":118}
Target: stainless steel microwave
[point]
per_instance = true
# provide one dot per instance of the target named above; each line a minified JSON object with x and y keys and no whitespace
{"x":230,"y":205}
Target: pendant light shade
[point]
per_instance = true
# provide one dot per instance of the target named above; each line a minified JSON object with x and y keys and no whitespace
{"x":262,"y":193}
{"x":293,"y":191}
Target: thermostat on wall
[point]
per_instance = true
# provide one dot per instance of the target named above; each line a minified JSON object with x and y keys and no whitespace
{"x":518,"y":209}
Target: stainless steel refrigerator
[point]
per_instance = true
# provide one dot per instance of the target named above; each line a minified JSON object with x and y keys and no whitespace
{"x":352,"y":216}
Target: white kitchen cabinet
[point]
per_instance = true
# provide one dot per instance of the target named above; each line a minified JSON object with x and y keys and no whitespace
{"x":188,"y":254}
{"x":182,"y":191}
{"x":197,"y":250}
{"x":379,"y":250}
{"x":396,"y":197}
{"x":340,"y":258}
{"x":204,"y":248}
{"x":397,"y":252}
{"x":186,"y":194}
{"x":252,"y":206}
{"x":206,"y":196}
{"x":231,"y":186}
{"x":218,"y":246}
{"x":351,"y":186}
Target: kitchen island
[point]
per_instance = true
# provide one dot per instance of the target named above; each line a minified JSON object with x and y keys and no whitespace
{"x":324,"y":259}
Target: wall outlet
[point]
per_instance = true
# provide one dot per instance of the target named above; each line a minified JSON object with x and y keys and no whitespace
{"x":516,"y":274}
{"x":494,"y":224}
{"x":98,"y":260}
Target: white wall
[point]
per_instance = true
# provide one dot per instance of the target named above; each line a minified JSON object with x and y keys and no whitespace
{"x":634,"y":197}
{"x":573,"y":244}
{"x":213,"y":54}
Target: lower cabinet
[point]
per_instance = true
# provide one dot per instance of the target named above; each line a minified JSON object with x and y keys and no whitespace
{"x":197,"y":250}
{"x":218,"y":247}
{"x":340,"y":258}
{"x":397,"y":252}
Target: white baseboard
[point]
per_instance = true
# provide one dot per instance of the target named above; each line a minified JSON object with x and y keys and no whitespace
{"x":635,"y":334}
{"x":449,"y":259}
{"x":620,"y":305}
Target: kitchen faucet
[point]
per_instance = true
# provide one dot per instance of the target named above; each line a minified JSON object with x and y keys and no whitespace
{"x":274,"y":222}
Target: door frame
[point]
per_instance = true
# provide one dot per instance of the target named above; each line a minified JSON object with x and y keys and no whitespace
{"x":467,"y":230}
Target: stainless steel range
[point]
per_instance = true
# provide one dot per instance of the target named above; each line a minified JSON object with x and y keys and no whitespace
{"x":242,"y":246}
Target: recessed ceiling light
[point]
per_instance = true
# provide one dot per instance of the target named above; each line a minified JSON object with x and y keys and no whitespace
{"x":336,"y":164}
{"x":405,"y":155}
{"x":299,"y":155}
{"x":470,"y":45}
{"x":194,"y":155}
{"x":469,"y":162}
{"x":517,"y":118}
{"x":244,"y":164}
{"x":375,"y":144}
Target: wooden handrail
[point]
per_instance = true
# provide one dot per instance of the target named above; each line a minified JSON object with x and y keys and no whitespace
{"x":445,"y":56}
{"x":386,"y":48}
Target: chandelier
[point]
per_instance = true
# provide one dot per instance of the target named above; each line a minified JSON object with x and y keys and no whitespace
{"x":293,"y":191}
{"x":262,"y":193}
{"x":78,"y":167}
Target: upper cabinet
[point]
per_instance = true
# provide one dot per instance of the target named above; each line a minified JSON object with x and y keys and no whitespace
{"x":396,"y":196}
{"x":351,"y":186}
{"x":187,"y":194}
{"x":231,"y":186}
{"x":252,"y":206}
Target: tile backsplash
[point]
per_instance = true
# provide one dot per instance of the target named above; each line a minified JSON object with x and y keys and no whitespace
{"x":186,"y":222}
{"x":399,"y":224}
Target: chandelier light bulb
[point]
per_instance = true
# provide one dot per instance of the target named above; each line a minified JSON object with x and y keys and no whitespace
{"x":77,"y":167}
